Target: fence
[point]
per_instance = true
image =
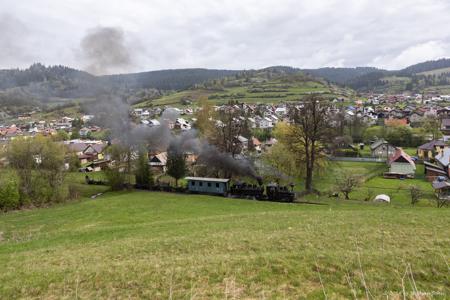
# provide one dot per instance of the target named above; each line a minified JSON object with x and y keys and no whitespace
{"x":358,"y":159}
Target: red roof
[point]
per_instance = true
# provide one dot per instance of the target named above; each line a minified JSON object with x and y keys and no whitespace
{"x":399,"y":153}
{"x":395,"y":122}
{"x":255,"y":141}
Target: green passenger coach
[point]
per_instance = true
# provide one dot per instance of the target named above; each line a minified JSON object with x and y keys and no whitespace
{"x":215,"y":186}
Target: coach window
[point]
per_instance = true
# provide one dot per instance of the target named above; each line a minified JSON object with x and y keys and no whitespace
{"x":200,"y":183}
{"x":217,"y":184}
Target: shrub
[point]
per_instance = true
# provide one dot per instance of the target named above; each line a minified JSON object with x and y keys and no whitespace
{"x":9,"y":195}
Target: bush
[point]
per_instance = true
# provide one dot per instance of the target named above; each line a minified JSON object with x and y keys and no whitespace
{"x":346,"y":152}
{"x":116,"y":178}
{"x":9,"y":195}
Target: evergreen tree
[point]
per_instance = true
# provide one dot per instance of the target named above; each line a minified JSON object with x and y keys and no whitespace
{"x":176,"y":165}
{"x":144,"y":176}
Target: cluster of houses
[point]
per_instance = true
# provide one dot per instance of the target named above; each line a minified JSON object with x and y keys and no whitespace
{"x":435,"y":156}
{"x":41,"y":127}
{"x":390,"y":110}
{"x":399,"y":111}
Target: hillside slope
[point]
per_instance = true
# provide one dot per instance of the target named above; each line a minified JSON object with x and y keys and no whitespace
{"x":270,"y":85}
{"x":57,"y":84}
{"x":163,"y":246}
{"x":415,"y":78}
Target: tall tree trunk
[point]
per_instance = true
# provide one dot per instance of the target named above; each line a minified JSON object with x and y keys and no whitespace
{"x":308,"y":181}
{"x":309,"y":168}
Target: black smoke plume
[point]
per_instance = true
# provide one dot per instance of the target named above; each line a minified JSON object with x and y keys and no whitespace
{"x":114,"y":113}
{"x":105,"y":51}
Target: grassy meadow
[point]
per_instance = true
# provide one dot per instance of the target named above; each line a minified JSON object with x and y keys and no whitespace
{"x":155,"y":245}
{"x":372,"y":183}
{"x":173,"y":246}
{"x":271,"y":91}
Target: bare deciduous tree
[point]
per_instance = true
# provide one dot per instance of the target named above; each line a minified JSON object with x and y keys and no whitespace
{"x":228,"y":128}
{"x":416,"y":193}
{"x":313,"y":130}
{"x":347,"y":182}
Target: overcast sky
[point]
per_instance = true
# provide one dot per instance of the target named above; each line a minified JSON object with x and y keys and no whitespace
{"x":106,"y":36}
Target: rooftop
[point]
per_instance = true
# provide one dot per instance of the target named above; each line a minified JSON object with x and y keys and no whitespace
{"x":207,"y":179}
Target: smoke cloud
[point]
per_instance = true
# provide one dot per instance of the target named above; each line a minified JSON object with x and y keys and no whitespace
{"x":105,"y":51}
{"x":114,"y":113}
{"x":210,"y":156}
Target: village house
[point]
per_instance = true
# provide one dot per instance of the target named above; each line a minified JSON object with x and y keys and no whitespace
{"x":252,"y":122}
{"x":182,"y":124}
{"x":401,"y":165}
{"x":428,"y":150}
{"x":243,"y":141}
{"x":381,"y":148}
{"x":442,"y":159}
{"x":395,"y":122}
{"x":445,"y":127}
{"x":158,"y":162}
{"x":84,"y":132}
{"x":256,"y":144}
{"x":434,"y":171}
{"x":416,"y":118}
{"x":8,"y":133}
{"x":87,"y":152}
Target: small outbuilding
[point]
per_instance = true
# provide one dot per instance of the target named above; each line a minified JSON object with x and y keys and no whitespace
{"x":442,"y":189}
{"x":401,"y":165}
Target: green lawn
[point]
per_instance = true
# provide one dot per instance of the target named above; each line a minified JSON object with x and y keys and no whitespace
{"x":373,"y":183}
{"x":366,"y":152}
{"x":77,"y":180}
{"x":169,"y":246}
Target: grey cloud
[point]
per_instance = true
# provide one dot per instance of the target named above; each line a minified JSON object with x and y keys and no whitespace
{"x":240,"y":34}
{"x":14,"y":41}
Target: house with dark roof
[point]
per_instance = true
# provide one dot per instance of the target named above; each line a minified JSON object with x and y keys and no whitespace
{"x":429,"y":150}
{"x":445,"y":126}
{"x":381,"y":148}
{"x":442,"y":189}
{"x":158,"y":162}
{"x":433,"y":171}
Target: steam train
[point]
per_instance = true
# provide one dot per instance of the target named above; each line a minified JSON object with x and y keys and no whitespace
{"x":219,"y":186}
{"x":222,"y":187}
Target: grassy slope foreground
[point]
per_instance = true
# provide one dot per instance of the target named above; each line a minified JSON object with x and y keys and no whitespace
{"x":162,"y":246}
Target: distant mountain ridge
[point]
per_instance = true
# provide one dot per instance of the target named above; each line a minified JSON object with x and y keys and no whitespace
{"x":56,"y":84}
{"x":373,"y":79}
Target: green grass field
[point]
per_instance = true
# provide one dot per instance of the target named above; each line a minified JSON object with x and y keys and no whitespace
{"x":372,"y":184}
{"x":272,"y":91}
{"x":172,"y":246}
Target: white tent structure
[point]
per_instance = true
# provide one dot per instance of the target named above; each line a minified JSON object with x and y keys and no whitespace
{"x":382,"y":198}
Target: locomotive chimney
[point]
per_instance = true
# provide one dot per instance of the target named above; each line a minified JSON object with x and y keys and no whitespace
{"x":259,"y":179}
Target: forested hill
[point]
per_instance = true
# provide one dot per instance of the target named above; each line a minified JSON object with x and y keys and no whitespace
{"x":426,"y":66}
{"x":176,"y":79}
{"x":64,"y":81}
{"x":41,"y":85}
{"x":340,"y":75}
{"x":415,"y":78}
